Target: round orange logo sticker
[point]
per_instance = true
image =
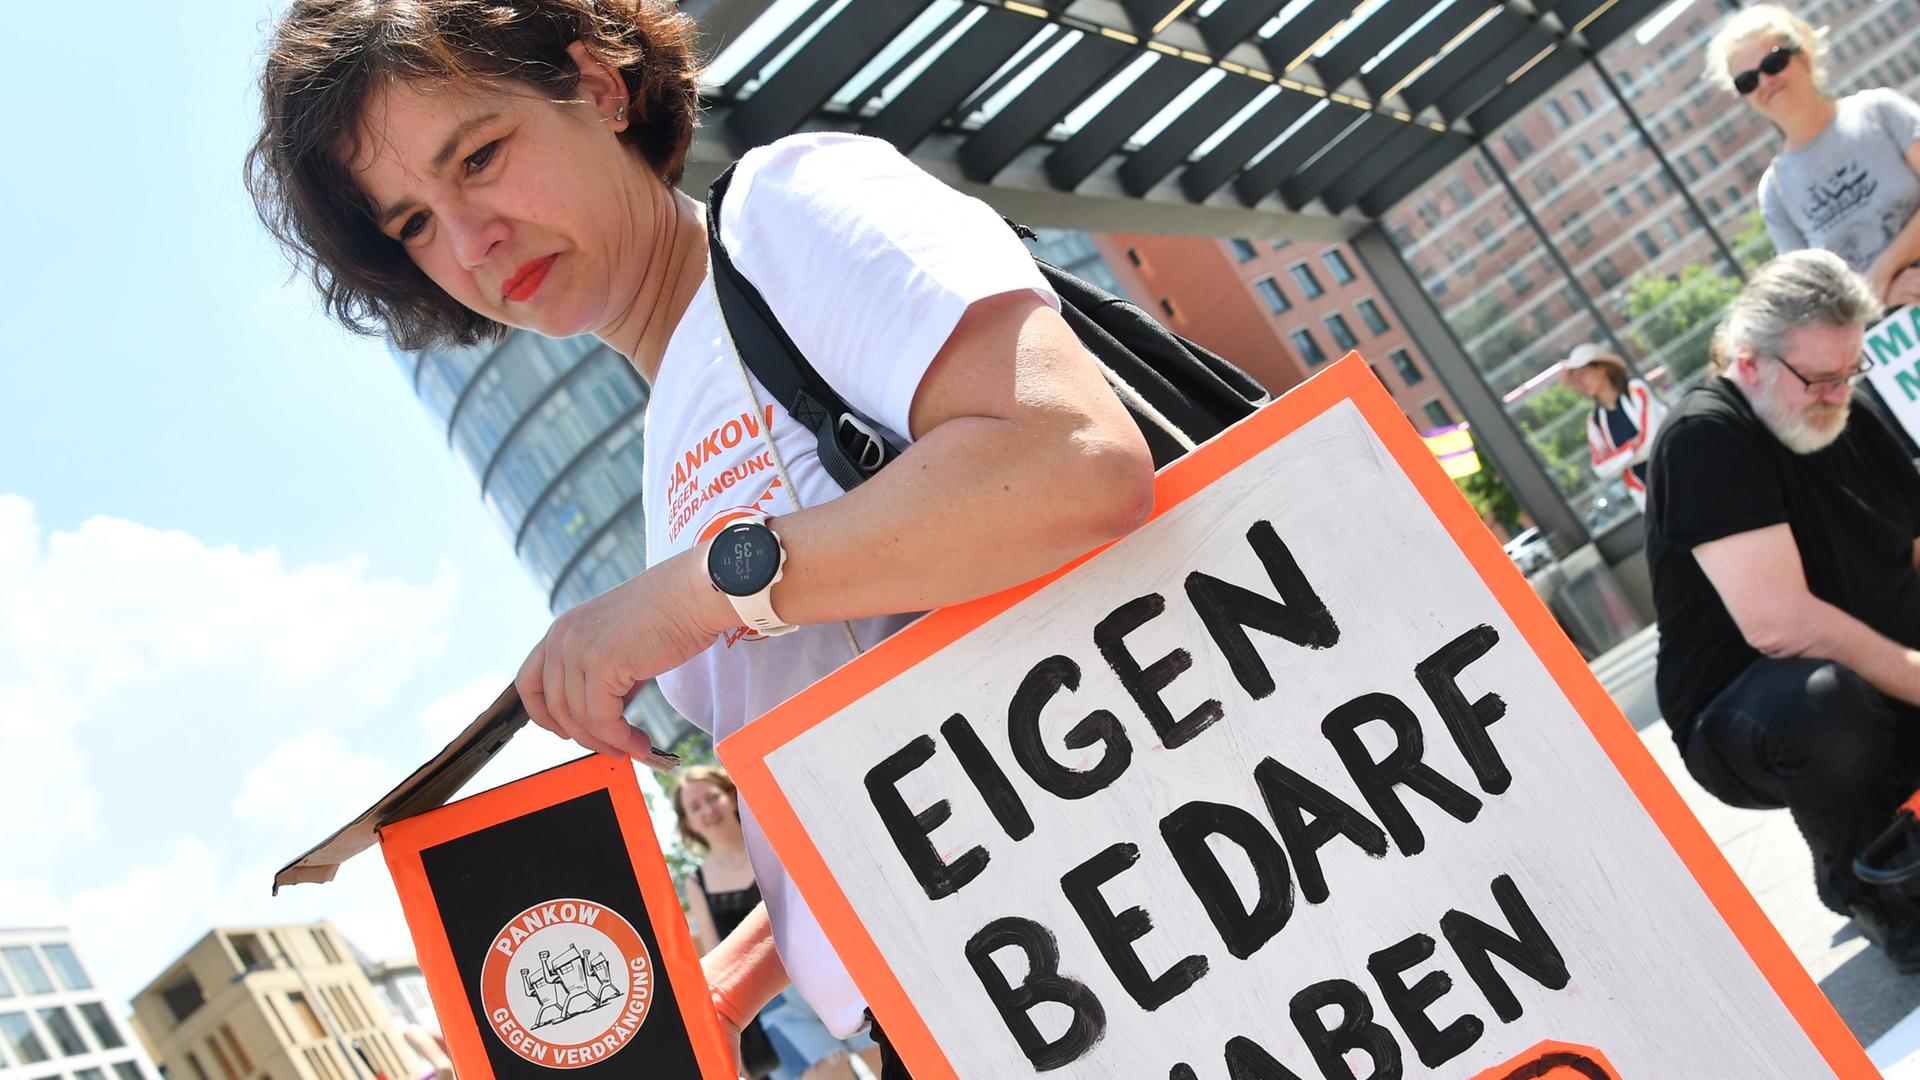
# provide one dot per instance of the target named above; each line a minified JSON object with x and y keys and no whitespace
{"x":567,"y":983}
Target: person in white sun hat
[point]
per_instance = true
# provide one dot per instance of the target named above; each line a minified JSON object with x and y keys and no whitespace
{"x":1626,"y":415}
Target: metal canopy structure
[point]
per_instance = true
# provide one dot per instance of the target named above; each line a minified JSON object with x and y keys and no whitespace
{"x":1308,"y":118}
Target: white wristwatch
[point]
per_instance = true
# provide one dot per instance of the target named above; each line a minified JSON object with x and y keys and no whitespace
{"x":744,"y":562}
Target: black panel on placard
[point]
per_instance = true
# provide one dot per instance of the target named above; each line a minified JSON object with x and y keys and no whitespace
{"x":572,"y":850}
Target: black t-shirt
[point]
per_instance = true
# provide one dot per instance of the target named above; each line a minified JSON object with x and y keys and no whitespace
{"x":1854,"y":508}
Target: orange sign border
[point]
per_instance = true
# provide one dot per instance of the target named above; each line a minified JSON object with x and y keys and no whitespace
{"x":403,"y":841}
{"x":1350,"y":379}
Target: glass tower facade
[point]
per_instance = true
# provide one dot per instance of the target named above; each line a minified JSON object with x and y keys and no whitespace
{"x":1622,"y":209}
{"x":54,"y":1022}
{"x":551,"y":431}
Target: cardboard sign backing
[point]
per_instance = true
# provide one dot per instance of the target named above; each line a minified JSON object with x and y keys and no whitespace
{"x":1298,"y":780}
{"x":550,"y":934}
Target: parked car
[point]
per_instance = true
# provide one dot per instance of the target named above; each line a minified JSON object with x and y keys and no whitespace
{"x":1530,"y":551}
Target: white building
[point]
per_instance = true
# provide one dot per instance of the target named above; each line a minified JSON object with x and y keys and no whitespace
{"x":54,"y":1024}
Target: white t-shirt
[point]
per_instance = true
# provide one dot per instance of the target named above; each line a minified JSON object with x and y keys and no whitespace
{"x":868,"y":263}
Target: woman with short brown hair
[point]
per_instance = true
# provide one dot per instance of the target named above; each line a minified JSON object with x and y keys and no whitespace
{"x":444,"y":168}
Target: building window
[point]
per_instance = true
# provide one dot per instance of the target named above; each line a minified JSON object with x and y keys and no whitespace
{"x":1303,"y":276}
{"x":1647,"y":246}
{"x":1370,"y":314}
{"x":1607,"y":273}
{"x":1342,"y":334}
{"x":66,"y":1036}
{"x":246,"y":947}
{"x":306,"y":1014}
{"x":1410,"y":372}
{"x":1337,"y":266}
{"x":17,"y":1032}
{"x":1687,"y":170}
{"x":220,"y":1058}
{"x":1519,"y":281}
{"x":1269,"y":291}
{"x":1436,"y":411}
{"x":1712,"y":204}
{"x":199,"y":1071}
{"x":1559,"y":112}
{"x":1575,"y":229}
{"x":1645,"y":191}
{"x":67,"y":966}
{"x":1586,"y":153}
{"x":1544,"y":182}
{"x":1620,"y":203}
{"x":239,"y":1052}
{"x":183,"y":996}
{"x":1242,"y":249}
{"x":1483,"y":231}
{"x":1133,"y":256}
{"x":325,"y":945}
{"x":26,"y":966}
{"x":104,"y":1031}
{"x":1309,"y":349}
{"x":1166,"y":306}
{"x":1518,"y":144}
{"x":1486,"y":174}
{"x":127,"y":1070}
{"x":1580,"y":99}
{"x":1462,"y":194}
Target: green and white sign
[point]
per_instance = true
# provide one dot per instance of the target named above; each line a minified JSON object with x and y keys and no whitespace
{"x":1894,"y":347}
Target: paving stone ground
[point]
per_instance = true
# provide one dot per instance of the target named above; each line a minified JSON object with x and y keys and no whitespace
{"x":1767,"y":852}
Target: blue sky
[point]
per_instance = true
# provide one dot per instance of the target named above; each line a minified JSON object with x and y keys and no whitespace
{"x":244,"y":585}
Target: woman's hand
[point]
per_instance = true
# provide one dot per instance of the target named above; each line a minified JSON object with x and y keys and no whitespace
{"x":578,"y":679}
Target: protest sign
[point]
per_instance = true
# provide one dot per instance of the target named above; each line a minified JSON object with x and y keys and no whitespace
{"x":1299,"y":780}
{"x":550,"y":934}
{"x":1893,"y":345}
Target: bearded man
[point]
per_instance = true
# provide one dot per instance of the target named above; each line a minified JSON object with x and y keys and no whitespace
{"x":1781,"y":527}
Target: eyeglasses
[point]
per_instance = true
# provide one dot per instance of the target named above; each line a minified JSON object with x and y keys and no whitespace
{"x":1825,"y":381}
{"x":1773,"y":63}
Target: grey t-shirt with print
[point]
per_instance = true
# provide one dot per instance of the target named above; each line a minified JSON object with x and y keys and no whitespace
{"x":1850,"y":190}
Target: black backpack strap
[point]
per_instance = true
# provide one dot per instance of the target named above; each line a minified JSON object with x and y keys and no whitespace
{"x":851,"y":447}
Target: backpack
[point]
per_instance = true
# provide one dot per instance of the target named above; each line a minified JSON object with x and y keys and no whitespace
{"x":1179,"y":393}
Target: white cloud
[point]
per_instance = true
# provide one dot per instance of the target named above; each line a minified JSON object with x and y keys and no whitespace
{"x":141,"y":669}
{"x":309,"y":786}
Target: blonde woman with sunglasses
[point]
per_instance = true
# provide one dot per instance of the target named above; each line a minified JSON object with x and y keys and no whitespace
{"x":1848,"y":178}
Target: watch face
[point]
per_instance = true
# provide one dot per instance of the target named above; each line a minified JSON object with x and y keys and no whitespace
{"x":743,"y":558}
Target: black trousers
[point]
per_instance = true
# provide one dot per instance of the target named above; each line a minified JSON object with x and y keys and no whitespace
{"x":890,"y":1067}
{"x":1814,"y":737}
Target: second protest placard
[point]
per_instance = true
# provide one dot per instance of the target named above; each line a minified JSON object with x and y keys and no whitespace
{"x":1299,"y":780}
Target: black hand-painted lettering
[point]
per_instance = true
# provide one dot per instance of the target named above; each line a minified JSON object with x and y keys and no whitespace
{"x":911,"y":831}
{"x":1041,"y":685}
{"x":1243,"y":930}
{"x":1227,"y":610}
{"x":1468,"y":722}
{"x":1145,"y":684}
{"x":1529,"y":949}
{"x":988,"y":778}
{"x":1400,"y":768}
{"x":1434,"y":1045}
{"x":1289,"y":798}
{"x":1044,"y":983}
{"x":1114,"y":933}
{"x":1355,"y":1031}
{"x":1248,"y":1060}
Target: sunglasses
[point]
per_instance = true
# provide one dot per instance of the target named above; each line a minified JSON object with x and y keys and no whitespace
{"x":1773,"y":63}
